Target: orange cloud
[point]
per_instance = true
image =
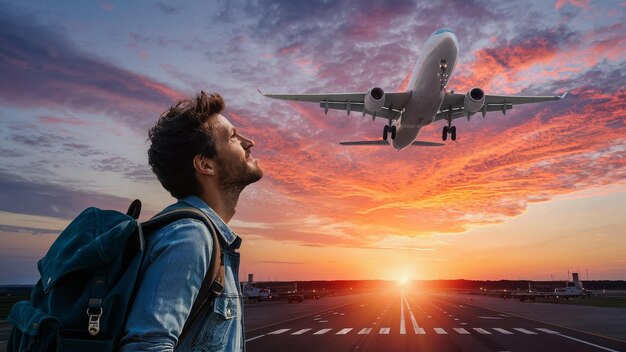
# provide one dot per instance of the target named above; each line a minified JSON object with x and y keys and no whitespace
{"x":358,"y":196}
{"x":513,"y":66}
{"x":578,"y":3}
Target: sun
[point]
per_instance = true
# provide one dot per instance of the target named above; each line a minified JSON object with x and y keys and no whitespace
{"x":403,"y":280}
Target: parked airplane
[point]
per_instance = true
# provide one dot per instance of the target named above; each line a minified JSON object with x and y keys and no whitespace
{"x":425,"y":101}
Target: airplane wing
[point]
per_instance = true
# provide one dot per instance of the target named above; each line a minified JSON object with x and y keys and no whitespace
{"x":381,"y":142}
{"x":394,"y":102}
{"x":453,"y":104}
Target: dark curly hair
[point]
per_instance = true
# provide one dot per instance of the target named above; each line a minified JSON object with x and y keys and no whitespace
{"x":179,"y":135}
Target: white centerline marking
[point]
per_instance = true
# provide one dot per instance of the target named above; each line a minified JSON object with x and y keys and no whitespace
{"x":440,"y":331}
{"x":384,"y":331}
{"x":365,"y":331}
{"x":278,"y":332}
{"x":300,"y":332}
{"x":588,"y":343}
{"x":344,"y":331}
{"x":461,"y":331}
{"x":548,"y":331}
{"x":402,"y":327}
{"x":322,"y":332}
{"x":416,"y":328}
{"x":254,"y":338}
{"x":322,"y":321}
{"x":496,"y":318}
{"x":528,"y":332}
{"x":506,"y":332}
{"x":482,"y":331}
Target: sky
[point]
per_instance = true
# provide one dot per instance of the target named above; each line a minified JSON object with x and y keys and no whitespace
{"x":534,"y":194}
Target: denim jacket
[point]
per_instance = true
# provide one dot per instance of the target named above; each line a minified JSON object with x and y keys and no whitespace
{"x":176,"y":260}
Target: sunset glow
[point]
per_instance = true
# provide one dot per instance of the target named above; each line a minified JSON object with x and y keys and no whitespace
{"x":529,"y":195}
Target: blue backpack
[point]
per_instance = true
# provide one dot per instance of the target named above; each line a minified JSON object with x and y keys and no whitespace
{"x":89,"y":279}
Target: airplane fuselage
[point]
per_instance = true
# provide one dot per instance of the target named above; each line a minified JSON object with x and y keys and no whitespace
{"x":426,"y":86}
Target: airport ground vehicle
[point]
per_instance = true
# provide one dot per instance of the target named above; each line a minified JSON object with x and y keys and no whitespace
{"x":295,"y":297}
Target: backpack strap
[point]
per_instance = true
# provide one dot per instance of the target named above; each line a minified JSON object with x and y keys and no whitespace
{"x":213,"y":282}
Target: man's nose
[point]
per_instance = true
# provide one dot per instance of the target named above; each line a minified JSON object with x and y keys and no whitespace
{"x":247,"y":143}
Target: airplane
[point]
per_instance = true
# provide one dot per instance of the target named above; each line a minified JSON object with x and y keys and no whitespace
{"x":426,"y":100}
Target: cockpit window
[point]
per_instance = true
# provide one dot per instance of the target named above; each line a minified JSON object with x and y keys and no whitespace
{"x":442,"y":30}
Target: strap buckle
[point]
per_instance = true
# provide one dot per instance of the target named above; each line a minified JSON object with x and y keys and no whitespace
{"x":94,"y":322}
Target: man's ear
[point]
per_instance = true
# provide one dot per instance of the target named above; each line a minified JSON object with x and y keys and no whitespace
{"x":204,"y":165}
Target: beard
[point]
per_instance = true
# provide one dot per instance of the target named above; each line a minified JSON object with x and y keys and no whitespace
{"x":235,"y":175}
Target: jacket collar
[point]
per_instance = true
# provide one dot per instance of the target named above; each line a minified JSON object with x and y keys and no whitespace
{"x":230,"y":238}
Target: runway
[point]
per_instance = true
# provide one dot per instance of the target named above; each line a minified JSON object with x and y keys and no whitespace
{"x":406,"y":321}
{"x":417,"y":321}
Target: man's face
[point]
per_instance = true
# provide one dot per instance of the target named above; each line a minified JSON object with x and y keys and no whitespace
{"x":237,"y":168}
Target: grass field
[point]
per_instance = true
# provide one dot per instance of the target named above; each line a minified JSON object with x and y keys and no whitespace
{"x":618,"y":302}
{"x":6,"y":302}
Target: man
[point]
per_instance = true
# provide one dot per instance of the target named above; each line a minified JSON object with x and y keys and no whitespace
{"x":204,"y":162}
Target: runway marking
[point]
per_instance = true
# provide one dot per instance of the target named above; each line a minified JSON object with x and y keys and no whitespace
{"x":416,"y":328}
{"x":506,"y":332}
{"x":300,"y":332}
{"x":344,"y":331}
{"x":528,"y":332}
{"x":365,"y":331}
{"x":254,"y":338}
{"x":322,"y":321}
{"x":588,"y":343}
{"x":482,"y":331}
{"x":402,"y":327}
{"x":461,"y":331}
{"x":440,"y":331}
{"x":548,"y":331}
{"x":504,"y":315}
{"x":317,"y":318}
{"x":496,"y":318}
{"x":456,"y":318}
{"x":322,"y":332}
{"x":430,"y":316}
{"x":278,"y":332}
{"x":463,"y":323}
{"x":335,"y":313}
{"x":384,"y":331}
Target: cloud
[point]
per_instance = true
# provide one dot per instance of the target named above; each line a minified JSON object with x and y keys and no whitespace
{"x":22,"y":196}
{"x":28,"y":230}
{"x":129,"y":169}
{"x":68,"y":78}
{"x":168,"y":8}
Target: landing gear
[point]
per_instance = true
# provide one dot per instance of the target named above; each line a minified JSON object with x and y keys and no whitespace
{"x":451,"y":130}
{"x":389,"y":129}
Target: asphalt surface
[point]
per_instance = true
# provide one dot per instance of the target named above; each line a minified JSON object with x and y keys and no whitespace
{"x":420,"y":322}
{"x":413,"y":321}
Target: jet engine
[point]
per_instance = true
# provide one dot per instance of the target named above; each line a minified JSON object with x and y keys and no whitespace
{"x":374,"y":99}
{"x":474,"y":100}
